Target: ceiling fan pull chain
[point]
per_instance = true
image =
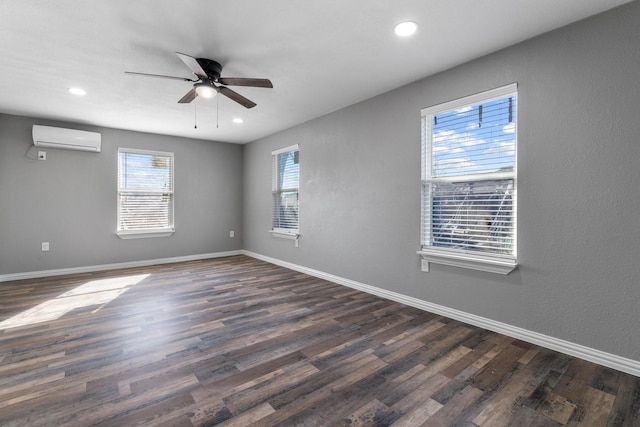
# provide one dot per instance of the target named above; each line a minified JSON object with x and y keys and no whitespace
{"x":195,"y":115}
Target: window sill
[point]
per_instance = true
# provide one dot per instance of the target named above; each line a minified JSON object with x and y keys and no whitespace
{"x":136,"y":234}
{"x":285,"y":234}
{"x":472,"y":261}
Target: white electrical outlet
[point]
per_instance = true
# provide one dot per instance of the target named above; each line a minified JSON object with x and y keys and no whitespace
{"x":42,"y":155}
{"x":424,"y":264}
{"x":232,"y":234}
{"x":45,"y":246}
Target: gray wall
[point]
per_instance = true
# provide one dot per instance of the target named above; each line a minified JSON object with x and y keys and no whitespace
{"x":69,"y":200}
{"x":579,"y":188}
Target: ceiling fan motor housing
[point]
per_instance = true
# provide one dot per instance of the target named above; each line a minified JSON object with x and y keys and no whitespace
{"x":212,"y":68}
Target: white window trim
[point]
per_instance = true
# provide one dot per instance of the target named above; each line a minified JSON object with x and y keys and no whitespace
{"x":471,"y":99}
{"x":492,"y":263}
{"x":294,"y":147}
{"x":285,"y":233}
{"x":482,"y":262}
{"x":281,"y":233}
{"x":144,"y":234}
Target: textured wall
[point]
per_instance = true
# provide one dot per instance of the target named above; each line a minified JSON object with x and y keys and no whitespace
{"x":69,"y":200}
{"x":579,"y":178}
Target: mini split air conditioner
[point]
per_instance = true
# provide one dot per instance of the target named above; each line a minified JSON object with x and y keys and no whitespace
{"x":69,"y":139}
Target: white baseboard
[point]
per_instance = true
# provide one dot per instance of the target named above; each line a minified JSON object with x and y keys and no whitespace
{"x":613,"y":361}
{"x":103,"y":267}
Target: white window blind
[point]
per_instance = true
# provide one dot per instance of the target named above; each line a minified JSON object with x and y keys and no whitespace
{"x":469,"y":175}
{"x":145,"y":191}
{"x":285,"y":189}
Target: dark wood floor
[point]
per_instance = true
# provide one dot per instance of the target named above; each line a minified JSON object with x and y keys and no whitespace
{"x":237,"y":341}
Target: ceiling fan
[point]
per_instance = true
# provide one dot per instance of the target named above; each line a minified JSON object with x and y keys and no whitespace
{"x":208,"y":82}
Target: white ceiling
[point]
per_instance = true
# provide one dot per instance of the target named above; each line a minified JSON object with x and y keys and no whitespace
{"x":321,"y":56}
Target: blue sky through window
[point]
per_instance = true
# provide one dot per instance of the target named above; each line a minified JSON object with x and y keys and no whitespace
{"x":289,"y":172}
{"x":475,"y":139}
{"x":141,"y":171}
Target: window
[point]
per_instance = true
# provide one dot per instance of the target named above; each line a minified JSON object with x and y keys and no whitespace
{"x":469,"y":181}
{"x":285,"y":187}
{"x":145,"y":193}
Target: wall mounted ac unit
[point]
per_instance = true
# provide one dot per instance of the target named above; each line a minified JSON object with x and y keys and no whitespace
{"x":69,"y":139}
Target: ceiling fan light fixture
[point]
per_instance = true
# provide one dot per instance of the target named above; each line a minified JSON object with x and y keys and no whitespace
{"x":78,"y":91}
{"x":205,"y":90}
{"x":406,"y":29}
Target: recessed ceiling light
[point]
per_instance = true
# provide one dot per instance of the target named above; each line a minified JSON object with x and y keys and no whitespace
{"x":405,"y":29}
{"x":237,"y":120}
{"x":77,"y":91}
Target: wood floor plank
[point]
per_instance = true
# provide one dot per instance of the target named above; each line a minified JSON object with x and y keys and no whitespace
{"x":418,"y":395}
{"x":497,"y":411}
{"x":354,"y":399}
{"x":241,"y":400}
{"x":250,"y":417}
{"x":626,"y":407}
{"x":450,"y":411}
{"x":238,"y":341}
{"x":367,"y":415}
{"x":418,"y":415}
{"x":595,"y":408}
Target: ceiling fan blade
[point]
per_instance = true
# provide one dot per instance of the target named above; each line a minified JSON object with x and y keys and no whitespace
{"x":235,"y":96}
{"x":193,"y":65}
{"x":160,"y":76}
{"x":188,"y":97}
{"x":239,"y":81}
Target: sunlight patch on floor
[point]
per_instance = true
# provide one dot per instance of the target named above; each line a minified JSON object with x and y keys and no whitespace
{"x":95,"y":292}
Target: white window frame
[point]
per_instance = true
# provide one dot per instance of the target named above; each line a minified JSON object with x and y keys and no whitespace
{"x":146,"y":232}
{"x":477,"y":260}
{"x":276,"y":189}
